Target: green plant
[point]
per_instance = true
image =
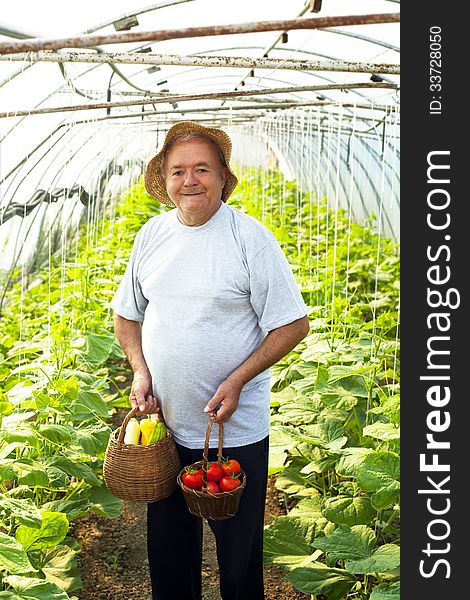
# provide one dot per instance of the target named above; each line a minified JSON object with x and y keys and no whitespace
{"x":334,"y":441}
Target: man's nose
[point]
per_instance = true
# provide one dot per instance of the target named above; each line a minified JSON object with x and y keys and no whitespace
{"x":190,"y":179}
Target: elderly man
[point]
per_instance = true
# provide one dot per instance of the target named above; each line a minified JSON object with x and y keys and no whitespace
{"x":207,"y":304}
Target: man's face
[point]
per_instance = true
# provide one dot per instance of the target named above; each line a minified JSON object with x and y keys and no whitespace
{"x":194,"y":179}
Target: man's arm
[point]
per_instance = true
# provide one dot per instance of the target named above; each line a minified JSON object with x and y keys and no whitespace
{"x":129,"y":336}
{"x":275,"y":345}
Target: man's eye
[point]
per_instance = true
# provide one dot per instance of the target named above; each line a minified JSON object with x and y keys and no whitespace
{"x":177,"y":173}
{"x":202,"y":170}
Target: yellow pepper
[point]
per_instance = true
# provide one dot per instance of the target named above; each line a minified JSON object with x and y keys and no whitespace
{"x":146,"y":427}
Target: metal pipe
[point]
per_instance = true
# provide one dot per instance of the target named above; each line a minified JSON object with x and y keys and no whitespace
{"x":84,"y":41}
{"x":132,"y":58}
{"x":364,"y":38}
{"x":268,"y":105}
{"x":211,"y":96}
{"x":135,"y":13}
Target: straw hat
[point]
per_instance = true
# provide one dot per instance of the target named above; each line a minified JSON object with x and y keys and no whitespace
{"x":154,"y":181}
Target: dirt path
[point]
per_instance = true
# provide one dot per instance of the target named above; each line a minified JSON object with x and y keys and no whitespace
{"x":113,"y":557}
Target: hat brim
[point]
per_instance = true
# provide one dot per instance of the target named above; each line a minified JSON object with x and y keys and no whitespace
{"x":154,"y":181}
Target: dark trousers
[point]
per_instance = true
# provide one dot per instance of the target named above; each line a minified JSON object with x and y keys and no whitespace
{"x":174,"y":535}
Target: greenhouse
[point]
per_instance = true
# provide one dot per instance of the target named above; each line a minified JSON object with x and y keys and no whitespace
{"x":307,"y":92}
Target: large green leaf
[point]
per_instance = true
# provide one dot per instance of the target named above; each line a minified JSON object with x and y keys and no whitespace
{"x":67,"y":386}
{"x":279,"y":445}
{"x":60,"y":565}
{"x":385,"y":558}
{"x":321,"y":460}
{"x":23,"y":434}
{"x":6,"y":407}
{"x":13,"y":558}
{"x":317,"y":579}
{"x":287,"y":540}
{"x":290,"y":480}
{"x":53,"y":530}
{"x":379,"y":472}
{"x":328,"y":434}
{"x":341,"y":403}
{"x":28,"y":472}
{"x":305,"y":386}
{"x":382,"y":431}
{"x":283,"y":397}
{"x":22,"y":391}
{"x":56,"y":433}
{"x":58,"y":479}
{"x":288,"y":536}
{"x":89,"y":405}
{"x":76,"y":469}
{"x":93,"y":438}
{"x":104,"y":503}
{"x":301,"y":410}
{"x":350,"y":459}
{"x":23,"y":509}
{"x":386,"y":592}
{"x":310,"y":512}
{"x":389,"y":406}
{"x":97,"y":348}
{"x":319,"y":352}
{"x":348,"y":543}
{"x":28,"y":588}
{"x":292,"y":561}
{"x":72,"y":508}
{"x":341,"y":385}
{"x":349,"y":510}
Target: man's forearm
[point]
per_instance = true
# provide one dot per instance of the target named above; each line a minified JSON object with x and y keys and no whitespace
{"x":275,"y":346}
{"x":129,"y":335}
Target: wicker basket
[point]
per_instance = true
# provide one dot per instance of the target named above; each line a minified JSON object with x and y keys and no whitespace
{"x":206,"y":504}
{"x":140,"y":473}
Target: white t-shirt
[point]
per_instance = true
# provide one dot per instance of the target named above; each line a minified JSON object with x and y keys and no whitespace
{"x":207,"y":296}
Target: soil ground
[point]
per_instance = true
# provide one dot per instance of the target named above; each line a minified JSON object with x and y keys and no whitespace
{"x":113,"y":556}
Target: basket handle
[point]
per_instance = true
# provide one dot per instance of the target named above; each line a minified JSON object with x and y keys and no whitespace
{"x":130,"y":414}
{"x":122,"y":430}
{"x":206,"y":447}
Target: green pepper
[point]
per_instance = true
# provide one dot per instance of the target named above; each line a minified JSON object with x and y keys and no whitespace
{"x":158,"y":434}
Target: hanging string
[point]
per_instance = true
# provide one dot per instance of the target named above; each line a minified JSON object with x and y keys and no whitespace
{"x":310,"y":190}
{"x":351,"y":162}
{"x":336,"y":208}
{"x":319,"y":199}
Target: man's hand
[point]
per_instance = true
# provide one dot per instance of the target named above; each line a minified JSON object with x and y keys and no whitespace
{"x":226,"y":399}
{"x":141,"y":397}
{"x":275,"y":345}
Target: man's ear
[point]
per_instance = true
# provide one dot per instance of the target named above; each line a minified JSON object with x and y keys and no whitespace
{"x":224,"y":175}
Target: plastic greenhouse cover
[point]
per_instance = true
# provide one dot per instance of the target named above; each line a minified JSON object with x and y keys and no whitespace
{"x":72,"y":149}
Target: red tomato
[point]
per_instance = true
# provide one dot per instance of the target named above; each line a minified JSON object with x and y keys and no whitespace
{"x":214,"y":472}
{"x":212,"y":487}
{"x":231,"y":466}
{"x":192,"y":478}
{"x":229,"y":483}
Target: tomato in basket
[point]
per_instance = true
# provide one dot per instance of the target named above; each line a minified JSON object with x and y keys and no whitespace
{"x":192,"y":478}
{"x":212,"y":487}
{"x":228,"y":483}
{"x":214,"y":472}
{"x":230,"y":466}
